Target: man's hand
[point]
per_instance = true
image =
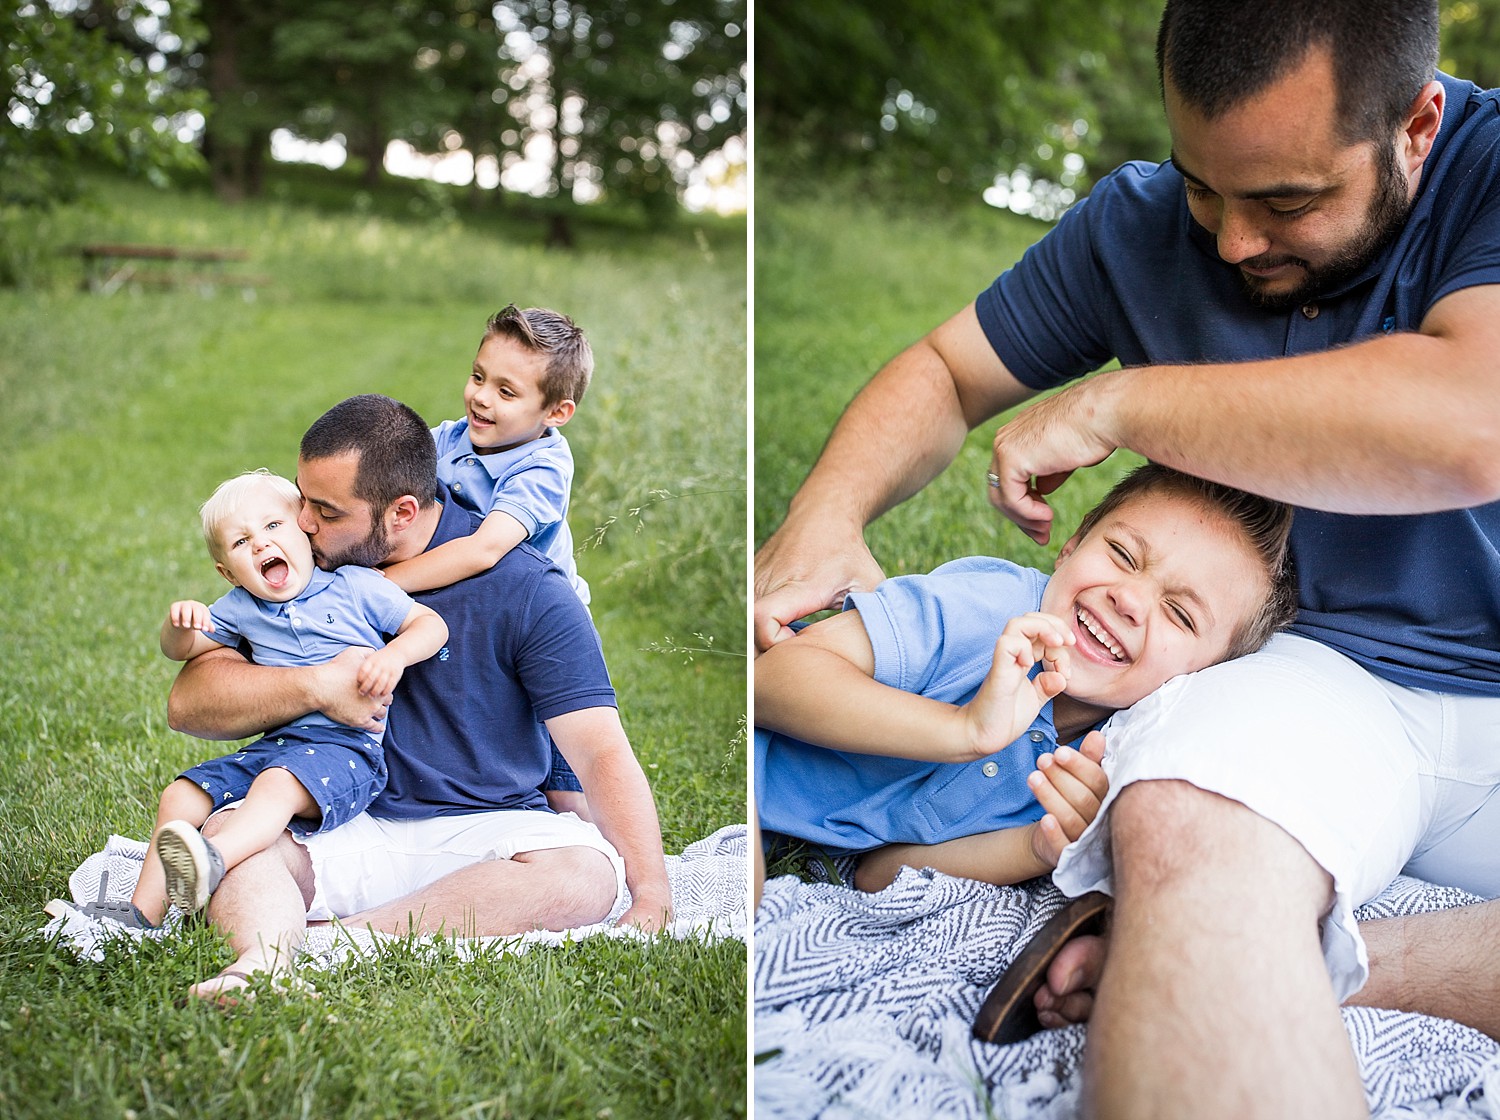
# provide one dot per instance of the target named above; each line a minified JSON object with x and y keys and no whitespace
{"x":799,"y":571}
{"x":1036,"y":452}
{"x":1070,"y":785}
{"x":649,"y":914}
{"x":1007,"y":702}
{"x":340,"y":695}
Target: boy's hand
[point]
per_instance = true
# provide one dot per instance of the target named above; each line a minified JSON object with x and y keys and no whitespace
{"x":379,"y":673}
{"x":1007,"y":702}
{"x":1070,"y":785}
{"x":189,"y":614}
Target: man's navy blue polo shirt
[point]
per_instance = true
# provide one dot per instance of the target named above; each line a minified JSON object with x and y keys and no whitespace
{"x":465,"y":732}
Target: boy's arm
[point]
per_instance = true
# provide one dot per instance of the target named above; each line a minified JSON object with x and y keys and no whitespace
{"x":459,"y":559}
{"x":421,"y":634}
{"x":182,"y":634}
{"x":1070,"y":785}
{"x":820,"y":687}
{"x":594,"y":743}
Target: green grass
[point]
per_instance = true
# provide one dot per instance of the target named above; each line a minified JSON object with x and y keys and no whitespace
{"x":843,"y":285}
{"x":122,"y":413}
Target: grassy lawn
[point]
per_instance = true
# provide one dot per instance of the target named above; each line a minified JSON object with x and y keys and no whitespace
{"x":121,"y":414}
{"x":841,"y":286}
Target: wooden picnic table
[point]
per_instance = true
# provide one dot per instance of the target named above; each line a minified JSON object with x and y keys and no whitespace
{"x":111,"y":266}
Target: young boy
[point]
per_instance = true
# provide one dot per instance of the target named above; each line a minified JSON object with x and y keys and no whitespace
{"x":316,"y":774}
{"x":506,"y":458}
{"x":929,"y":729}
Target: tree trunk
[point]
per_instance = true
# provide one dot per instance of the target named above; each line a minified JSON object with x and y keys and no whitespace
{"x":225,"y":140}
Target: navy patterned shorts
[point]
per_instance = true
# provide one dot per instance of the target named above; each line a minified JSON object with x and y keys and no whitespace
{"x":343,"y":769}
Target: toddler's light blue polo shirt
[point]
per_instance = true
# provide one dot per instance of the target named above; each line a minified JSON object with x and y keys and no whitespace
{"x":350,"y":606}
{"x":531,"y":482}
{"x":934,"y":635}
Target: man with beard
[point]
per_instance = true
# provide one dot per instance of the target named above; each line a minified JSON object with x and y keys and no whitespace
{"x":461,"y":840}
{"x":1304,"y":302}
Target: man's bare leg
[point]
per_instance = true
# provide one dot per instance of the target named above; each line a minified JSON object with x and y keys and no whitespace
{"x":1445,"y":963}
{"x":557,"y":888}
{"x":261,"y":906}
{"x":1215,"y":1000}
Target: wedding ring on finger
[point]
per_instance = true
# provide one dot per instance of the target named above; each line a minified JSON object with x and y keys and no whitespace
{"x":993,"y":479}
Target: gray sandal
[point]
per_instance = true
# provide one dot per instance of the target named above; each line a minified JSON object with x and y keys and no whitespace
{"x":102,"y":908}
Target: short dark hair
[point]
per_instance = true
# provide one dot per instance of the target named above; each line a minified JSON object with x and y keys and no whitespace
{"x":1219,"y":52}
{"x":395,"y":448}
{"x":1266,"y":524}
{"x":570,"y":359}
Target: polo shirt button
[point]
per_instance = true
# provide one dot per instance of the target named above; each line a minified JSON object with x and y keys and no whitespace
{"x":457,"y":489}
{"x":990,"y":769}
{"x":1309,"y":310}
{"x":296,"y":622}
{"x":1037,"y":736}
{"x":471,"y":461}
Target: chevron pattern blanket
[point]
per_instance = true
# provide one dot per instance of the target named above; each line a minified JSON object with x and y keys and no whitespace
{"x":863,"y":1005}
{"x":709,"y":894}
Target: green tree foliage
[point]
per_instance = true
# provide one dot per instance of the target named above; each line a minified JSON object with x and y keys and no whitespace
{"x":630,"y":93}
{"x":929,"y":95}
{"x":93,"y":83}
{"x":1471,"y":36}
{"x":948,"y":94}
{"x":625,"y":92}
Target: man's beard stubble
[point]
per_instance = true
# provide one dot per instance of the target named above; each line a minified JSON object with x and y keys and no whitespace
{"x":368,"y":553}
{"x":1387,"y":214}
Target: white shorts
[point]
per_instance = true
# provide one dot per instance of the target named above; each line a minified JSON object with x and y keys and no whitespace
{"x":371,"y":860}
{"x":1372,"y":778}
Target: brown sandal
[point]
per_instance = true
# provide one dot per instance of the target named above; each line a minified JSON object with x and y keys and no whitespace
{"x":1008,"y":1013}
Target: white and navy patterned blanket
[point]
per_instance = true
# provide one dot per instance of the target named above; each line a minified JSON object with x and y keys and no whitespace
{"x":863,"y":1005}
{"x":709,"y":889}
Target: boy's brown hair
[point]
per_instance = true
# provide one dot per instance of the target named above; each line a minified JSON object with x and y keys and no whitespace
{"x":570,"y":359}
{"x":1266,"y":524}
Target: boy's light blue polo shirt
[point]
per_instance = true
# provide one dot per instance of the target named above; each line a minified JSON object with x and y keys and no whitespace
{"x":350,"y":606}
{"x":531,"y":482}
{"x":934,"y":635}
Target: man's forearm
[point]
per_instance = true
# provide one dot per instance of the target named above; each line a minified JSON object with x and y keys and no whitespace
{"x":1401,"y":424}
{"x":619,"y":796}
{"x":220,"y":695}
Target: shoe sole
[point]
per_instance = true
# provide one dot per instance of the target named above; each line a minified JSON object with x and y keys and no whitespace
{"x":1008,"y":1013}
{"x":186,"y":867}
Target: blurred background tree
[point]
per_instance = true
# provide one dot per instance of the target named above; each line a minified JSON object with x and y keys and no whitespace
{"x":90,"y":83}
{"x":946,"y":100}
{"x":617,"y":98}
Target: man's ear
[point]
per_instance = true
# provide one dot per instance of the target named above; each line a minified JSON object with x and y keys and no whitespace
{"x":223,"y":571}
{"x":1419,"y":128}
{"x":561,"y":413}
{"x":402,"y":512}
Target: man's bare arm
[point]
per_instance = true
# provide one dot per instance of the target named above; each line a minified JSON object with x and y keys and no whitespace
{"x":897,"y":435}
{"x":1404,"y":423}
{"x":221,"y":695}
{"x":594,"y":743}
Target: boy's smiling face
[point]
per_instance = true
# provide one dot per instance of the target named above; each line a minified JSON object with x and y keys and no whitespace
{"x":504,"y":399}
{"x":1159,"y":587}
{"x":262,"y":550}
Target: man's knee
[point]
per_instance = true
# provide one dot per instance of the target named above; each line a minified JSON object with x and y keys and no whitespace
{"x":284,"y":853}
{"x":1165,"y":832}
{"x":582,"y":880}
